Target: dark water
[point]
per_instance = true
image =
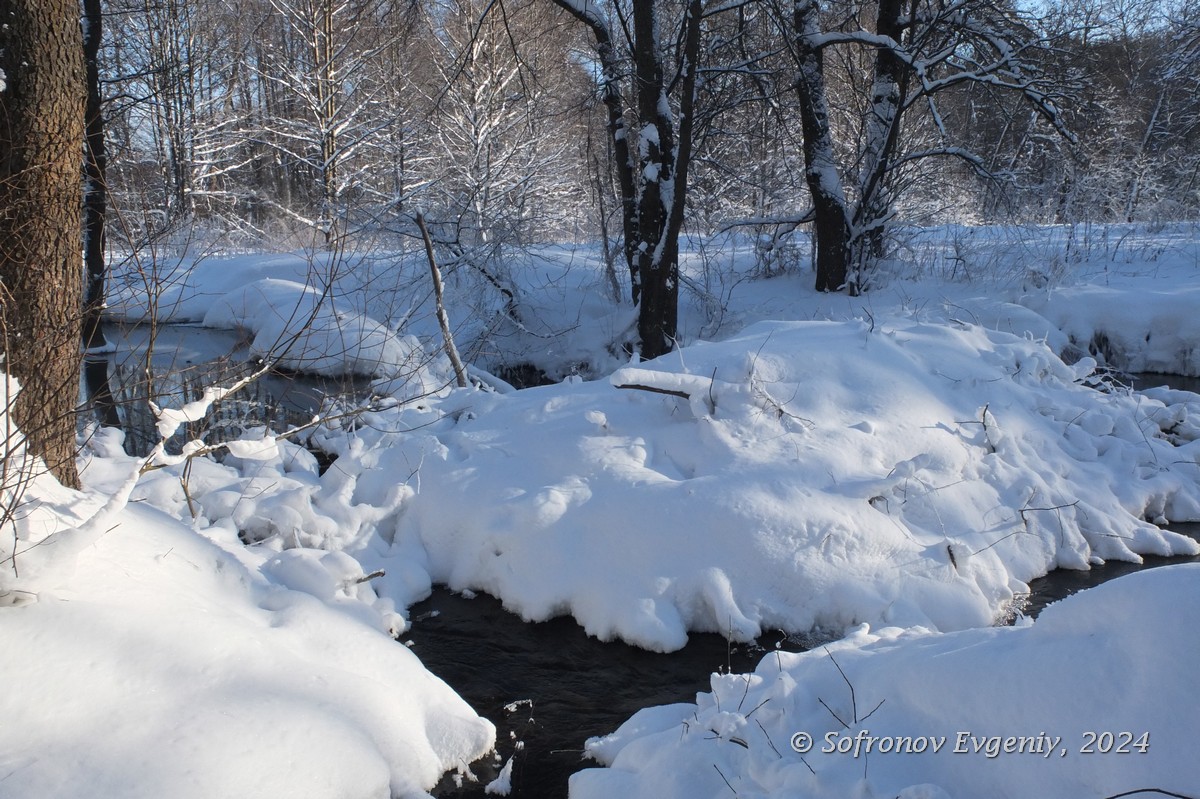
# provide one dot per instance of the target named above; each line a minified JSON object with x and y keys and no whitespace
{"x":550,"y":687}
{"x":1061,"y":583}
{"x":173,"y":364}
{"x":1144,"y":380}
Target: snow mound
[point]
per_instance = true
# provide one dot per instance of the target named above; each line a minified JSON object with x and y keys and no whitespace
{"x":1073,"y":705}
{"x":799,"y":475}
{"x":142,"y":659}
{"x":304,"y":329}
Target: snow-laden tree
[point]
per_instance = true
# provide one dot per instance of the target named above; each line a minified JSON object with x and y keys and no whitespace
{"x":323,"y":66}
{"x":500,"y":154}
{"x":924,"y":51}
{"x":176,"y":112}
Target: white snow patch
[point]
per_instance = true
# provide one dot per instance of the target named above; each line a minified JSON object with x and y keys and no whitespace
{"x":1076,"y":704}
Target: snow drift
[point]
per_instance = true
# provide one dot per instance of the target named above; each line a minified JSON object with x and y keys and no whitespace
{"x":814,"y":474}
{"x":1077,"y":704}
{"x":154,"y":661}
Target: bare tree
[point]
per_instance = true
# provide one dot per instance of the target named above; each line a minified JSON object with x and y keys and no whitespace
{"x":924,"y":51}
{"x":651,"y":119}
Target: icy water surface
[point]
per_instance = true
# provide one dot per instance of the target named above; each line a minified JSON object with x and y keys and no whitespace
{"x":172,"y":364}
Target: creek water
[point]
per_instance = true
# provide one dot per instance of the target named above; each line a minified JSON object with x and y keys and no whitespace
{"x":172,"y":364}
{"x":549,"y":686}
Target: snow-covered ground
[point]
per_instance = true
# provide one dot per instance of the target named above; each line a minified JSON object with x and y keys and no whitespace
{"x":906,"y":460}
{"x":145,"y":658}
{"x":1089,"y":701}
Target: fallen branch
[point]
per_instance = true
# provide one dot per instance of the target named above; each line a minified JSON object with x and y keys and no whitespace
{"x":655,"y":390}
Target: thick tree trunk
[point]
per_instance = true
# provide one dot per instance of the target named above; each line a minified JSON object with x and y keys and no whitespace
{"x":831,"y":228}
{"x":41,"y":133}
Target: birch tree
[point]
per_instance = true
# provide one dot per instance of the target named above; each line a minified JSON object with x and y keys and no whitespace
{"x":924,"y":50}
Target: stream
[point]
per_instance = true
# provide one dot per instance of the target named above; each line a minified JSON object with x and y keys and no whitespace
{"x":547,"y":687}
{"x":181,"y":360}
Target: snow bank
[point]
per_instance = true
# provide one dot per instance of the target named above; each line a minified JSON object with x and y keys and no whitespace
{"x":159,"y":662}
{"x":1136,"y":331}
{"x":1086,"y":700}
{"x":816,"y":474}
{"x":304,"y":330}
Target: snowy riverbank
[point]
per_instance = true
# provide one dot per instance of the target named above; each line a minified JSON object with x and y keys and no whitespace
{"x":898,"y":464}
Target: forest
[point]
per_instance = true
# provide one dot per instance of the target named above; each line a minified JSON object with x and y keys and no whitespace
{"x":269,"y":122}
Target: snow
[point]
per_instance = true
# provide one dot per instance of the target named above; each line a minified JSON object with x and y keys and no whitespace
{"x":817,"y":474}
{"x":1084,"y":702}
{"x":158,"y":660}
{"x":302,"y":329}
{"x":894,"y":468}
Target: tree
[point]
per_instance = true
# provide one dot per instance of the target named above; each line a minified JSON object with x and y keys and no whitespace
{"x":95,"y":206}
{"x":41,"y":133}
{"x":650,"y":123}
{"x":497,"y":173}
{"x":831,"y":216}
{"x":324,"y":68}
{"x":925,"y":50}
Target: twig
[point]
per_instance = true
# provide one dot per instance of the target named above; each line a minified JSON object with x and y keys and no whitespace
{"x":835,"y":715}
{"x":714,"y":765}
{"x":853,"y":700}
{"x":770,"y":743}
{"x":872,"y":713}
{"x":371,"y":576}
{"x":1023,"y":511}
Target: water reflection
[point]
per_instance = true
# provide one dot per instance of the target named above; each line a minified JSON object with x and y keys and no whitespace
{"x":173,"y":364}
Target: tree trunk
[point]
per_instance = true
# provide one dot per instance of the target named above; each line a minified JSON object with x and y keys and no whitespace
{"x":95,"y":206}
{"x":831,"y":228}
{"x":41,"y":132}
{"x":653,"y":176}
{"x":655,"y":257}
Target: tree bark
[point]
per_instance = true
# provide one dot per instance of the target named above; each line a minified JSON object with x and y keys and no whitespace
{"x":41,"y":132}
{"x":882,"y":135}
{"x":653,"y":175}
